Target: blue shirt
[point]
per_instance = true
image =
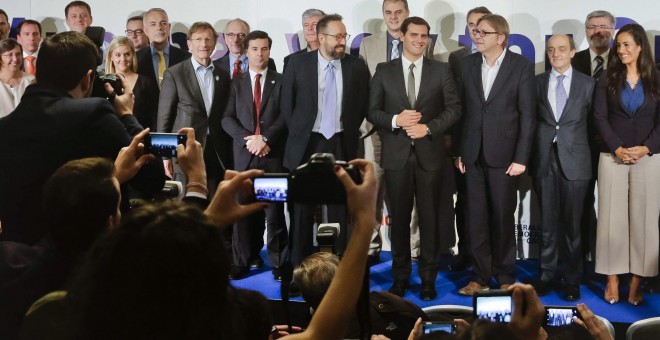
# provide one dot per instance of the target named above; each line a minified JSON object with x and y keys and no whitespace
{"x":632,"y":99}
{"x":339,"y":82}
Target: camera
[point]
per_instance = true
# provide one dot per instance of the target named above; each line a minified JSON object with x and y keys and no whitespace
{"x":429,"y":327}
{"x":113,"y":81}
{"x":163,"y":144}
{"x":560,"y":315}
{"x":495,"y":305}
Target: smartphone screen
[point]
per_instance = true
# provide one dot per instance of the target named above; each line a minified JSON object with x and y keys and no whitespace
{"x":271,"y":187}
{"x":495,"y":306}
{"x":436,"y":326}
{"x":163,"y":144}
{"x":560,"y":316}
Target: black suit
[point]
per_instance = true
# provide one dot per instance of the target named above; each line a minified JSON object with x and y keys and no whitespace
{"x":286,"y":59}
{"x":581,"y":62}
{"x":561,"y":172}
{"x":415,"y":170}
{"x":497,"y":131}
{"x":48,"y":129}
{"x":299,"y":104}
{"x":224,"y":64}
{"x":239,"y":122}
{"x":145,"y":63}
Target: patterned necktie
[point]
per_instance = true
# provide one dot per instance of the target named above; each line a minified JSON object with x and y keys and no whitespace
{"x":328,"y":119}
{"x":257,"y":102}
{"x":599,"y":67}
{"x":30,"y":67}
{"x":161,"y":66}
{"x":395,"y":50}
{"x":561,"y":96}
{"x":411,"y":86}
{"x":237,"y":69}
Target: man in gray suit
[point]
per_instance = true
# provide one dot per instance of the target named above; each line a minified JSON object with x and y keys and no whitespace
{"x":194,"y":94}
{"x":411,"y":124}
{"x":561,"y":164}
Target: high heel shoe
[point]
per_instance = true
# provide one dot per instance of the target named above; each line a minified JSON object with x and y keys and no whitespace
{"x":612,"y":298}
{"x":636,"y":296}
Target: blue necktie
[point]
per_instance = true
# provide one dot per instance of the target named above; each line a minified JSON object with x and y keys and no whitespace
{"x":561,"y":96}
{"x":328,"y":119}
{"x":395,"y":50}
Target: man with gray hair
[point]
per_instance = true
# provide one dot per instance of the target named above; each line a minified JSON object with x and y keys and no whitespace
{"x":310,"y":18}
{"x":235,"y":61}
{"x":599,"y":29}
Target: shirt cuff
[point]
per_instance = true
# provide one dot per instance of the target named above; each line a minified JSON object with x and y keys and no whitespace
{"x":195,"y":194}
{"x":394,"y":126}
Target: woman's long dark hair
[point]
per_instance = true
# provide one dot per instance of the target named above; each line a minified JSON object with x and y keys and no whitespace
{"x":616,"y":71}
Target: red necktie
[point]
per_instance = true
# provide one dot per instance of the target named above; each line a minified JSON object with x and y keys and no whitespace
{"x":257,"y":101}
{"x":31,"y":67}
{"x":237,"y":69}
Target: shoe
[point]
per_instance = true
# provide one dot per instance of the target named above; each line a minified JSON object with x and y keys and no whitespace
{"x":277,"y":276}
{"x":237,"y":273}
{"x":542,"y":287}
{"x":428,"y":292}
{"x":472,"y":288}
{"x":572,"y":293}
{"x":257,"y":263}
{"x":612,"y":285}
{"x":636,"y":296}
{"x":460,"y":264}
{"x":399,"y":287}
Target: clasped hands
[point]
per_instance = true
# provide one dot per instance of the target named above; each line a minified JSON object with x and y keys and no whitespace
{"x":631,"y":155}
{"x":256,"y":145}
{"x":409,"y":121}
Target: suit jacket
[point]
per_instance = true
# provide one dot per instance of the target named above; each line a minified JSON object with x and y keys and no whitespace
{"x":373,"y":50}
{"x":455,"y":62}
{"x":501,"y":126}
{"x":286,"y":59}
{"x":437,"y":100}
{"x":299,"y":103}
{"x":48,"y":129}
{"x":181,"y":105}
{"x":618,"y":128}
{"x":224,"y":64}
{"x":571,"y":129}
{"x":582,"y":62}
{"x":239,"y":119}
{"x":145,"y":62}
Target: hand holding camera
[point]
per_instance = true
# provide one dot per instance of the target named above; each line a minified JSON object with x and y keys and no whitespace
{"x":121,"y":100}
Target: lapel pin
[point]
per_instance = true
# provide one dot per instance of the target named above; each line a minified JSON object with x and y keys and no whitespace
{"x":217,"y":78}
{"x":272,"y":82}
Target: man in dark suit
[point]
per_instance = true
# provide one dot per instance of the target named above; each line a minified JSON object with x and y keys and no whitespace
{"x":599,"y":30}
{"x":499,"y":100}
{"x":235,"y":61}
{"x":464,"y":257}
{"x":252,"y":118}
{"x":324,"y":100}
{"x":310,"y":18}
{"x":561,"y":164}
{"x":411,"y":125}
{"x":57,"y":122}
{"x":160,"y":54}
{"x":194,"y":94}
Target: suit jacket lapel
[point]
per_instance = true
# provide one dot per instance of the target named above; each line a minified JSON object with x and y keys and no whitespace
{"x":502,"y":75}
{"x":346,"y":84}
{"x":476,"y":76}
{"x":195,"y":90}
{"x":269,"y":84}
{"x":216,"y":88}
{"x":545,"y":85}
{"x":424,"y":82}
{"x":570,"y":101}
{"x":247,"y":96}
{"x":399,"y":81}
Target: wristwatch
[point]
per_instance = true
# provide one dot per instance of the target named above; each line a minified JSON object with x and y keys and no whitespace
{"x":428,"y":131}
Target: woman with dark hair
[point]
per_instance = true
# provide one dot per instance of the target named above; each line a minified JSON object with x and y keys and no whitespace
{"x":627,"y":115}
{"x":13,"y":79}
{"x":121,"y":60}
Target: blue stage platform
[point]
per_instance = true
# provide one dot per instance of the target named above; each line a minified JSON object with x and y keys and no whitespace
{"x":448,"y":283}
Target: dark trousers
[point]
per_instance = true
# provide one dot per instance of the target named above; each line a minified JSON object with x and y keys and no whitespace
{"x":562,"y":203}
{"x":302,"y":230}
{"x":491,"y":204}
{"x":412,"y":183}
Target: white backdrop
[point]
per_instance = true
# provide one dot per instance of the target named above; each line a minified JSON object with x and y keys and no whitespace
{"x":531,"y":21}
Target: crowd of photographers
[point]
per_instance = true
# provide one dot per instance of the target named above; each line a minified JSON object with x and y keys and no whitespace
{"x":77,"y":268}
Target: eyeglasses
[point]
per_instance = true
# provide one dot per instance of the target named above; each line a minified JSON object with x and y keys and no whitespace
{"x":602,"y":27}
{"x":235,"y":35}
{"x":339,"y":37}
{"x":136,"y":32}
{"x":482,"y":33}
{"x":10,"y":54}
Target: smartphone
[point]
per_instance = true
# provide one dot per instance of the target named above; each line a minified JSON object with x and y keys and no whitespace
{"x":429,"y":327}
{"x":495,"y":305}
{"x":271,"y":187}
{"x":560,"y":315}
{"x":163,"y":144}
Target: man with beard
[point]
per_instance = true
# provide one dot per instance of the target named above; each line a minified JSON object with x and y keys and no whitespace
{"x":599,"y":29}
{"x":235,"y":61}
{"x":324,"y":100}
